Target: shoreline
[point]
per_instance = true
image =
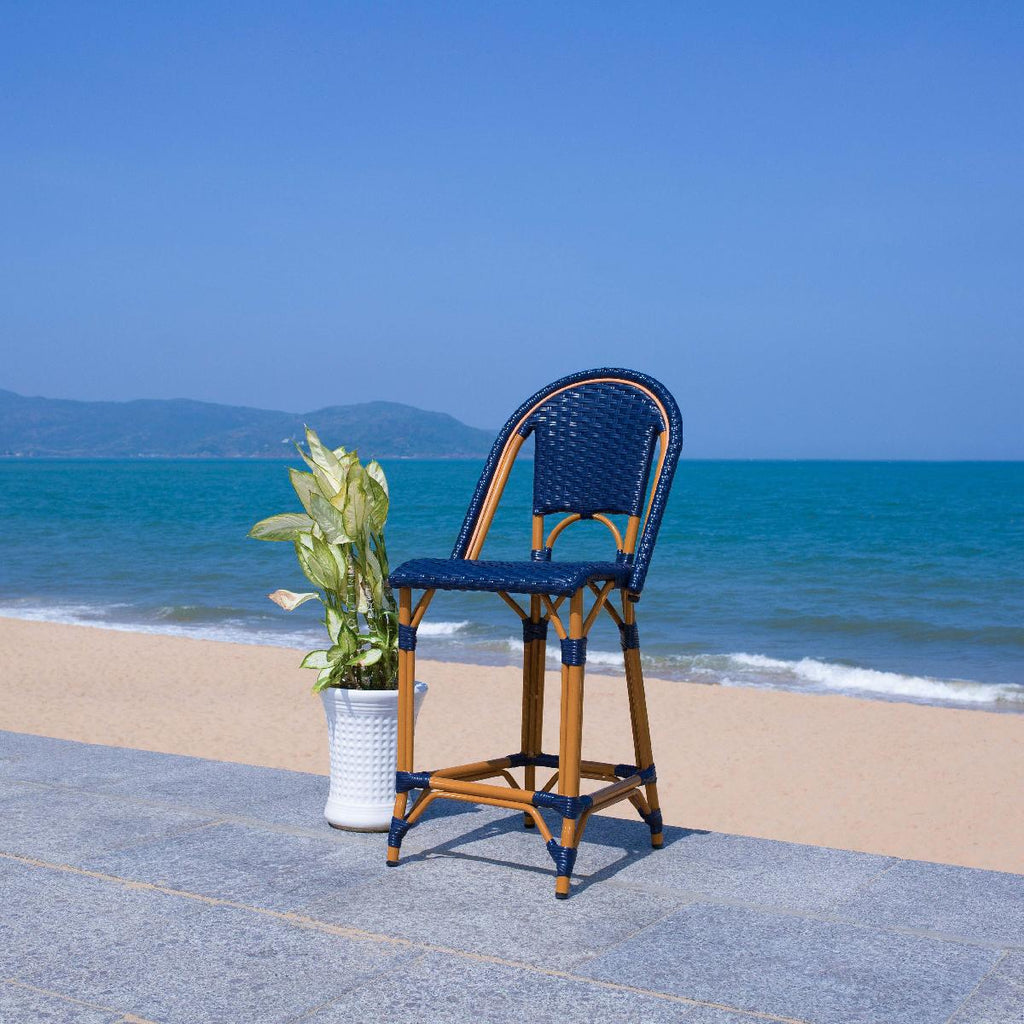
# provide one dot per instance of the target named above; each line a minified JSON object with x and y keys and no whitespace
{"x":884,"y":685}
{"x":878,"y":776}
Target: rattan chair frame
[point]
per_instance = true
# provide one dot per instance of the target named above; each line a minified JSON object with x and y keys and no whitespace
{"x":636,"y":782}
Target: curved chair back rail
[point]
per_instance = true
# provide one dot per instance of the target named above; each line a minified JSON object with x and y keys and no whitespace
{"x":595,"y":434}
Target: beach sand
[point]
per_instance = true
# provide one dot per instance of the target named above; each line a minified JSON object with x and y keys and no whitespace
{"x":927,"y":783}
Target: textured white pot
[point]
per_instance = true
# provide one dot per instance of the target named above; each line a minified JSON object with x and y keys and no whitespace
{"x":362,"y":727}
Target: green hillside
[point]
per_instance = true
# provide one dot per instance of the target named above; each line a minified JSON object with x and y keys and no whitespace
{"x":179,"y":427}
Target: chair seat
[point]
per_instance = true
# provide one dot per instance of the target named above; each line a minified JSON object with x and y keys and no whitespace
{"x":513,"y":577}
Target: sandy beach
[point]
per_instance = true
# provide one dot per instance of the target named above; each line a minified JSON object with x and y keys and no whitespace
{"x":928,"y":783}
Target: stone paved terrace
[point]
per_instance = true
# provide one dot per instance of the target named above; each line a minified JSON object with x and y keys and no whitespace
{"x":138,"y":886}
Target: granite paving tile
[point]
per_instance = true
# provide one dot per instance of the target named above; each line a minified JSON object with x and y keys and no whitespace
{"x":818,"y":971}
{"x":170,"y":959}
{"x":50,"y":914}
{"x":61,"y":825}
{"x":986,"y":906}
{"x":481,"y":908}
{"x":249,"y":865}
{"x":237,"y":790}
{"x":449,"y":990}
{"x":224,"y":788}
{"x":86,"y":766}
{"x":28,"y":743}
{"x":713,"y":1015}
{"x":758,"y":871}
{"x":20,"y":1005}
{"x":1000,"y":997}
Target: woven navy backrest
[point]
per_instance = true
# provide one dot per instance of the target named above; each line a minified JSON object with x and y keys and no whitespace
{"x":595,"y":434}
{"x":594,"y":445}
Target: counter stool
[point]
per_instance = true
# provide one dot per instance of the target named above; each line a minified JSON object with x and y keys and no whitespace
{"x":597,"y":435}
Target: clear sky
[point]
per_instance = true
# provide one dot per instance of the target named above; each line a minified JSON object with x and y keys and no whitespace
{"x":807,"y":219}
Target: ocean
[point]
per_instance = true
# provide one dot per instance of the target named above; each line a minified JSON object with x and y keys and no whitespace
{"x":896,"y":581}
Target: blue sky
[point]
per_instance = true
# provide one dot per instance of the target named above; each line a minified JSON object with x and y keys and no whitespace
{"x":806,"y":219}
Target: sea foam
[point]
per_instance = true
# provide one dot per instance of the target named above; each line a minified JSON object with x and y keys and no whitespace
{"x":427,"y":628}
{"x":853,"y":679}
{"x":805,"y":674}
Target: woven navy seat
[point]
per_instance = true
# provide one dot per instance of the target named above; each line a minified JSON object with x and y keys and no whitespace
{"x":606,"y":443}
{"x":512,"y":577}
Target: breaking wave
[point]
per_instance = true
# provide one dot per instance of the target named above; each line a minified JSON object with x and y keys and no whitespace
{"x":806,"y":675}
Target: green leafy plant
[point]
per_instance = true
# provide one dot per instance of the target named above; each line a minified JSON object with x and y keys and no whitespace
{"x":339,"y":542}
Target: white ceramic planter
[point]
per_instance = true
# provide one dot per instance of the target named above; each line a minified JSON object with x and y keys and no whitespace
{"x":362,"y":727}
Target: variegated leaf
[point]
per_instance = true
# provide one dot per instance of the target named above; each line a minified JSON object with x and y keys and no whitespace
{"x":286,"y":526}
{"x":330,"y":520}
{"x":376,"y":472}
{"x":368,"y":657}
{"x":315,"y":659}
{"x":305,"y":486}
{"x":334,"y":624}
{"x":378,"y":504}
{"x":289,"y":600}
{"x":310,"y":564}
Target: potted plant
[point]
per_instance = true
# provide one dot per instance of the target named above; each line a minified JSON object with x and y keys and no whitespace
{"x":339,"y":542}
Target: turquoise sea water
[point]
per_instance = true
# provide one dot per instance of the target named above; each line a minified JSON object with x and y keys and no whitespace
{"x":893,"y":580}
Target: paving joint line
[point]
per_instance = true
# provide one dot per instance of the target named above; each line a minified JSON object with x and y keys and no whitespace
{"x":893,"y":862}
{"x":338,"y":1001}
{"x":974,"y":991}
{"x":361,"y":935}
{"x":163,"y":805}
{"x":125,"y":1018}
{"x":633,"y":935}
{"x":689,"y":897}
{"x":161,"y":837}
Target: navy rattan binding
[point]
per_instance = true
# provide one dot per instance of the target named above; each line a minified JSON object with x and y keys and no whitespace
{"x":595,"y":435}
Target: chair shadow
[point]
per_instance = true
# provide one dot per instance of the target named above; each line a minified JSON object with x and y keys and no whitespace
{"x":631,"y":837}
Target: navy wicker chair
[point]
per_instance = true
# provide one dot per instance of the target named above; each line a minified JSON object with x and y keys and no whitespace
{"x":598,"y":434}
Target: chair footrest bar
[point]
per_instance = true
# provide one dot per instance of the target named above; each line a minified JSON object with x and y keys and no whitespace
{"x":620,"y":771}
{"x":567,"y":806}
{"x":647,"y":775}
{"x":521,"y":760}
{"x":406,"y":781}
{"x":460,"y":771}
{"x":516,"y":797}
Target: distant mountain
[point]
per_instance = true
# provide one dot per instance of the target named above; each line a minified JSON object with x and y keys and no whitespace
{"x":179,"y":427}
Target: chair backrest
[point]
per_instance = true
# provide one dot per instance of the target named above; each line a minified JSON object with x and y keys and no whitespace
{"x":595,"y":434}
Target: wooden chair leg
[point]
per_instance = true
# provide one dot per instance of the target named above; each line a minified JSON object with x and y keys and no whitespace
{"x":533,"y":696}
{"x":638,"y":718}
{"x":406,"y":723}
{"x":571,"y":745}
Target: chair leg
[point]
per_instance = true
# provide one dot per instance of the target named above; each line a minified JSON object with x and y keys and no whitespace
{"x":639,"y":720}
{"x":406,"y":695}
{"x":533,"y":694}
{"x":571,"y":743}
